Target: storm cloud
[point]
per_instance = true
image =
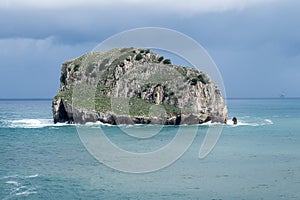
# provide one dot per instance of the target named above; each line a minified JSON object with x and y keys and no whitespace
{"x":255,"y":44}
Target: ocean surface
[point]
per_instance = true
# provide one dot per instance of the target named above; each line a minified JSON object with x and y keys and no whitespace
{"x":257,"y":159}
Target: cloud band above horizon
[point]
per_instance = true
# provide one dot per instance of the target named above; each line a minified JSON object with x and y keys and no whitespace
{"x":183,"y":7}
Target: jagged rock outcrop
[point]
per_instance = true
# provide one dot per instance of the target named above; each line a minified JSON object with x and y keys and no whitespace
{"x":135,"y":86}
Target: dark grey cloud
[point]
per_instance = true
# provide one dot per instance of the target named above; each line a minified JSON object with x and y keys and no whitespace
{"x":256,"y":48}
{"x":75,"y":25}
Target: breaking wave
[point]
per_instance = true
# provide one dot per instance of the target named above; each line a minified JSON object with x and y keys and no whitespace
{"x":30,"y":123}
{"x":18,"y":186}
{"x":242,"y":121}
{"x":41,"y":123}
{"x":251,"y":122}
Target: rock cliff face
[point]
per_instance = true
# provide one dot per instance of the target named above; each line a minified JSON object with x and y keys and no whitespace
{"x":135,"y":86}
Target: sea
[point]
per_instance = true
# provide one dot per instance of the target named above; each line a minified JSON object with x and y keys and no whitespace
{"x":259,"y":158}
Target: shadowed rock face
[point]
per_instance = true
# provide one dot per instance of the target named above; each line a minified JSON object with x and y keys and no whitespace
{"x":135,"y":86}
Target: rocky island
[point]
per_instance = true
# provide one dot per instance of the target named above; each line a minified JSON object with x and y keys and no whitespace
{"x":135,"y":86}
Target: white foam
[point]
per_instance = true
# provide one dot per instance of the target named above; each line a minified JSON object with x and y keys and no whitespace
{"x":18,"y":176}
{"x":27,"y":192}
{"x":19,"y":186}
{"x":11,"y":176}
{"x":13,"y":183}
{"x":247,"y":121}
{"x":95,"y":124}
{"x":244,"y":121}
{"x":32,"y":176}
{"x":31,"y":123}
{"x":258,"y":122}
{"x":268,"y":121}
{"x":41,"y":123}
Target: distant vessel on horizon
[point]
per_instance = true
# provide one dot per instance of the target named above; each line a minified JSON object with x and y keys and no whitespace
{"x":282,"y":95}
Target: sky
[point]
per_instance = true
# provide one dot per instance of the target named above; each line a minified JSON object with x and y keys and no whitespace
{"x":254,"y":43}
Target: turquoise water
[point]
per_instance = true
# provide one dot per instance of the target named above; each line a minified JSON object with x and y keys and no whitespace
{"x":258,"y":159}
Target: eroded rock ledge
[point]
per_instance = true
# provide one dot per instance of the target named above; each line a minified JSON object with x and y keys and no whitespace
{"x":135,"y":86}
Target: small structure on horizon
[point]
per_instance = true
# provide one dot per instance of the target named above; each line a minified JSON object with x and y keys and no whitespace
{"x":282,"y":94}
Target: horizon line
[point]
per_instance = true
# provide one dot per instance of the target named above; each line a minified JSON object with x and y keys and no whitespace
{"x":228,"y":98}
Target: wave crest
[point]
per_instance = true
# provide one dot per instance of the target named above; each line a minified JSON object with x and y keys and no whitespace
{"x":248,"y":121}
{"x":41,"y":123}
{"x":19,"y":186}
{"x":30,"y":123}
